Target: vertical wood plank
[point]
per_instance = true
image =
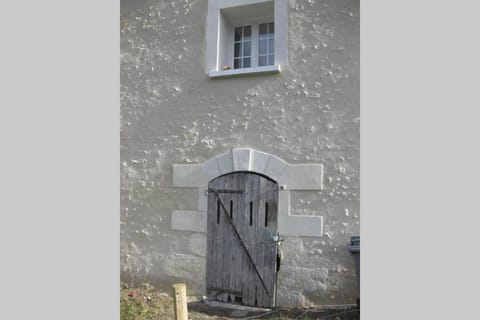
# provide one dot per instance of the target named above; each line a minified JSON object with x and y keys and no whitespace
{"x":180,"y":301}
{"x":262,"y":295}
{"x":254,"y":240}
{"x":228,"y":237}
{"x":245,"y":272}
{"x":211,"y":211}
{"x":241,"y":257}
{"x":270,"y":257}
{"x":218,"y":248}
{"x":221,"y":242}
{"x":249,"y":238}
{"x":236,"y":249}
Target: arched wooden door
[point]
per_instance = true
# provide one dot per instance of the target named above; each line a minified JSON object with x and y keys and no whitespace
{"x":241,"y":246}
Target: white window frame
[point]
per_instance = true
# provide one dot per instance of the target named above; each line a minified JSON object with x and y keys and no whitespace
{"x":218,"y":34}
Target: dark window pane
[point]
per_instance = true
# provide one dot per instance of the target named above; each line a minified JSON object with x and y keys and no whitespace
{"x":238,"y":33}
{"x":247,"y":48}
{"x":247,"y":31}
{"x":271,"y":46}
{"x":246,"y":62}
{"x":271,"y":60}
{"x":263,"y":28}
{"x":237,"y":63}
{"x":271,"y":28}
{"x":262,"y":46}
{"x":237,"y":49}
{"x":262,"y":61}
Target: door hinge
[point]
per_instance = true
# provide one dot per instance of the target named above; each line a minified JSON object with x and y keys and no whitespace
{"x":225,"y":191}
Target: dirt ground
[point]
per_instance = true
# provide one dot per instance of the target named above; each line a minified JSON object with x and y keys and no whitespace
{"x":147,"y":303}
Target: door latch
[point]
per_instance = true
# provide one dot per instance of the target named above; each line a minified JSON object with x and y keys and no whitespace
{"x":277,"y":238}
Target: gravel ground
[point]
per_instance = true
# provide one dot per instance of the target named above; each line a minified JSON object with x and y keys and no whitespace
{"x":147,"y":303}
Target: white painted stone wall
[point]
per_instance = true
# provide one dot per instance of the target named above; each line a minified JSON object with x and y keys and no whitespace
{"x":172,"y":113}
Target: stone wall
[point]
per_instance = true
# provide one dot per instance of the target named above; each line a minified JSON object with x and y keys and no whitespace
{"x":173,"y":113}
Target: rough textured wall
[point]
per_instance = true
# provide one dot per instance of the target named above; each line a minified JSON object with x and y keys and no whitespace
{"x":171,"y":112}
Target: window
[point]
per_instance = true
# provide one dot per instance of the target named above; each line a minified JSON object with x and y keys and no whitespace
{"x":254,"y":45}
{"x":246,"y":37}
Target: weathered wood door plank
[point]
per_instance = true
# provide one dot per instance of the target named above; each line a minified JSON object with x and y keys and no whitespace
{"x":237,"y":273}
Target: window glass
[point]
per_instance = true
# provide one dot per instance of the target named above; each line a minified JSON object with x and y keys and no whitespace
{"x":237,"y":63}
{"x":262,"y":61}
{"x":271,"y":29}
{"x":242,"y":50}
{"x":263,"y":28}
{"x":237,"y":50}
{"x":262,"y":46}
{"x":247,"y":32}
{"x":266,"y":46}
{"x":271,"y":60}
{"x":247,"y":46}
{"x":271,"y":46}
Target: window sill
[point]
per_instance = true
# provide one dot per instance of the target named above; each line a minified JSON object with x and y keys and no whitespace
{"x":244,"y":72}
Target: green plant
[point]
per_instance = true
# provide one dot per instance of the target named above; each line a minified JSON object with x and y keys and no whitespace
{"x":144,"y":304}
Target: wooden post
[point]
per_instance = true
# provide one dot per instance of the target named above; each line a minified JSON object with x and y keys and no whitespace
{"x":180,"y":301}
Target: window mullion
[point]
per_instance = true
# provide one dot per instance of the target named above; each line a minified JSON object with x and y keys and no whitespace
{"x":231,"y":46}
{"x":242,"y":46}
{"x":255,"y":44}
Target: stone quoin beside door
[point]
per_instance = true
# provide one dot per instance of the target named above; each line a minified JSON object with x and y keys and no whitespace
{"x":241,"y":246}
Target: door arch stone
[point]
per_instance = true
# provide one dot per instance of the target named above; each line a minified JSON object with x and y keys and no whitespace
{"x":288,"y":176}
